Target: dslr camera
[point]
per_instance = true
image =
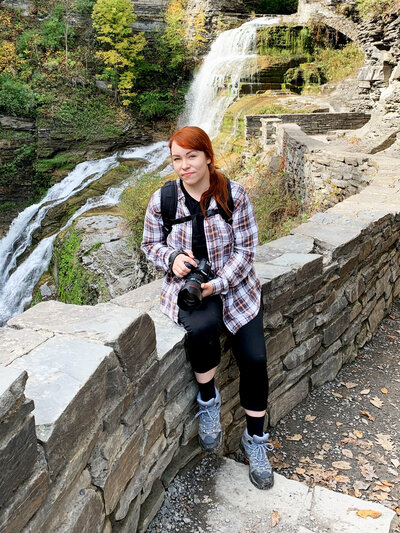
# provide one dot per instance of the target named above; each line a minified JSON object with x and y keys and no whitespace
{"x":190,"y":297}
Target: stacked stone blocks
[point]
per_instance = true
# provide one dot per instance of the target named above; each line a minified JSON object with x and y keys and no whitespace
{"x":97,"y":404}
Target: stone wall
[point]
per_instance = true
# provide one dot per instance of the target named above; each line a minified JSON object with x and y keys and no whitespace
{"x":318,"y":173}
{"x":114,"y":397}
{"x":310,"y":123}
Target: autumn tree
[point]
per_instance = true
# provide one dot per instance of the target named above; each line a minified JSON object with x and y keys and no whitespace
{"x":112,"y":20}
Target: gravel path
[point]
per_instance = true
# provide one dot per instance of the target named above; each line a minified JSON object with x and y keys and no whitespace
{"x":345,"y":436}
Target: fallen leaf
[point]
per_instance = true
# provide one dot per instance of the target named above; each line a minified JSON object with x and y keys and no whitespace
{"x":368,"y":513}
{"x":309,"y":418}
{"x":395,"y":463}
{"x":386,"y":482}
{"x":347,"y":453}
{"x":342,"y":479}
{"x":384,"y":390}
{"x":365,"y":391}
{"x":397,"y":511}
{"x":357,"y":493}
{"x":367,"y":470}
{"x":385,"y":441}
{"x":362,"y":485}
{"x":364,"y":421}
{"x":376,"y":402}
{"x":276,"y":518}
{"x":326,"y":446}
{"x":341,"y":465}
{"x":380,"y":486}
{"x":300,"y":470}
{"x":358,"y":434}
{"x":368,"y":415}
{"x":337,"y":395}
{"x":349,"y":384}
{"x":378,"y":496}
{"x":297,"y":436}
{"x":339,"y":424}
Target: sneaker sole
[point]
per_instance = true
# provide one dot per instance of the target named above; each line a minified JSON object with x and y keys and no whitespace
{"x":211,"y":448}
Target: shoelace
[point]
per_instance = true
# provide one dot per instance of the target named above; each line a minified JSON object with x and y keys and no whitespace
{"x":210,"y":421}
{"x":258,"y":453}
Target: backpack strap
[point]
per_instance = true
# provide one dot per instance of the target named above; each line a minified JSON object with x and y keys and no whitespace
{"x":169,"y":203}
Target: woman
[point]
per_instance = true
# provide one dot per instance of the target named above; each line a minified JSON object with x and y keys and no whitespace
{"x":231,"y":299}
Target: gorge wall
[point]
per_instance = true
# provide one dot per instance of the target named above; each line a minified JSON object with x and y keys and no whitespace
{"x":97,"y":403}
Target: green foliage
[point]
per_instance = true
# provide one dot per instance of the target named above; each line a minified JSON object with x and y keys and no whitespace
{"x":62,"y":161}
{"x":134,"y":204}
{"x":85,"y":7}
{"x":16,"y":98}
{"x":277,"y":109}
{"x":53,"y":30}
{"x":90,"y":118}
{"x":369,"y":9}
{"x":74,"y":284}
{"x":7,"y":206}
{"x":121,"y":48}
{"x":160,"y":103}
{"x":23,"y":158}
{"x":337,"y":64}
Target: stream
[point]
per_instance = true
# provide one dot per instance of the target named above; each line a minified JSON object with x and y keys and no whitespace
{"x":214,"y":88}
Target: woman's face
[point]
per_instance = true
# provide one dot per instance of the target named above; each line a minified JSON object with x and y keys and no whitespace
{"x":191,"y":166}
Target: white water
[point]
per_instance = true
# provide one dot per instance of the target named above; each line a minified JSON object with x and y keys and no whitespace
{"x":214,"y":88}
{"x":217,"y":83}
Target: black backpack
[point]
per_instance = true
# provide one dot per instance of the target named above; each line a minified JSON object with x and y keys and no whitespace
{"x":169,"y":203}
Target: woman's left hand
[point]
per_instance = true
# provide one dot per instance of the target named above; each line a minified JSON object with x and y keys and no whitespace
{"x":207,"y":289}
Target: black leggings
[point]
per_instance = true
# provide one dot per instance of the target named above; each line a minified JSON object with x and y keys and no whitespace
{"x":204,"y":327}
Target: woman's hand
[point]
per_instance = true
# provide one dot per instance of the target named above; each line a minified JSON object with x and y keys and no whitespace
{"x":179,"y":268}
{"x":207,"y":289}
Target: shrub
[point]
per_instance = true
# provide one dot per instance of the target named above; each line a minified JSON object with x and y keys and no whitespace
{"x":16,"y":98}
{"x":369,"y":9}
{"x":134,"y":204}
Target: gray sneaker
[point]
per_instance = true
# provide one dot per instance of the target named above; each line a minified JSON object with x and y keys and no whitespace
{"x":210,"y":431}
{"x":255,"y":449}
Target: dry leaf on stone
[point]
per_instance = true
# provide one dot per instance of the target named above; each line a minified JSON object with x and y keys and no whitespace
{"x":337,"y":395}
{"x":349,"y":384}
{"x":295,"y":437}
{"x":368,"y":415}
{"x":326,"y":446}
{"x":276,"y":518}
{"x":357,"y":493}
{"x":300,"y":470}
{"x":339,"y":424}
{"x":385,"y":441}
{"x":341,"y":465}
{"x":397,"y":511}
{"x":365,"y":391}
{"x":309,"y":418}
{"x":376,"y":402}
{"x":342,"y":479}
{"x":380,"y":486}
{"x":395,"y":463}
{"x":367,"y":470}
{"x":347,"y":453}
{"x":368,"y":513}
{"x":378,"y":496}
{"x":384,"y":390}
{"x":358,"y":434}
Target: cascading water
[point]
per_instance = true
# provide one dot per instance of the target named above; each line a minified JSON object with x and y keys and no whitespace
{"x":217,"y":83}
{"x":214,"y":88}
{"x":17,"y":284}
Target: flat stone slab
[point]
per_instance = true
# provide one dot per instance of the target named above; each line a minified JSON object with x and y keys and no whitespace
{"x":103,"y":322}
{"x":242,"y":507}
{"x":17,"y":342}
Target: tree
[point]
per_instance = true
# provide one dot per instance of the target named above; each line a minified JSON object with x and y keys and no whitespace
{"x":121,"y":48}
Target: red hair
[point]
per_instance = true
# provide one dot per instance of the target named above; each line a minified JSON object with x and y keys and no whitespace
{"x":194,"y":138}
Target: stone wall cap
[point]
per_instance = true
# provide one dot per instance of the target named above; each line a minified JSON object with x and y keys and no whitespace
{"x":102,"y":323}
{"x":295,"y":260}
{"x":17,"y":342}
{"x":57,"y":370}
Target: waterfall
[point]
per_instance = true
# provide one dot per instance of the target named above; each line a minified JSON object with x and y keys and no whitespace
{"x":214,"y":88}
{"x":17,"y":283}
{"x":216,"y":85}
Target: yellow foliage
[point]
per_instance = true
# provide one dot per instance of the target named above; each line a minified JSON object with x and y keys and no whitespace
{"x":7,"y":56}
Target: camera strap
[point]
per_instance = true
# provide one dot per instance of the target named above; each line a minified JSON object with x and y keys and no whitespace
{"x":169,"y":203}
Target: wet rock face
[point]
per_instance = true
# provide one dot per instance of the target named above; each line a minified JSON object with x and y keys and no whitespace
{"x":105,"y":252}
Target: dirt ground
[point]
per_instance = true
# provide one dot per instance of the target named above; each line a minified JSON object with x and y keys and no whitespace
{"x":346,"y":435}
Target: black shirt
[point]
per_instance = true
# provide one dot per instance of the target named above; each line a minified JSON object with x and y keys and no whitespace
{"x":199,"y":246}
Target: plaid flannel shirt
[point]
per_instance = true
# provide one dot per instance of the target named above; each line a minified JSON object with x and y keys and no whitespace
{"x":231,"y":250}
